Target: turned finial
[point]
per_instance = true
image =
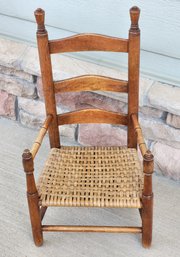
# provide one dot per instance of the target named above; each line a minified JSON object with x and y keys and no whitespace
{"x":26,"y":154}
{"x":40,"y":15}
{"x":148,"y":156}
{"x":27,"y":162}
{"x":134,"y":14}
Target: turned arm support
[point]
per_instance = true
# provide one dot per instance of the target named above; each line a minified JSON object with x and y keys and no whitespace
{"x":140,"y":139}
{"x":28,"y":157}
{"x":148,"y":159}
{"x":42,"y":133}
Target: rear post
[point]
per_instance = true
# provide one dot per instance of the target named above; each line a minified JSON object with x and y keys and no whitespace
{"x":133,"y":73}
{"x":47,"y":77}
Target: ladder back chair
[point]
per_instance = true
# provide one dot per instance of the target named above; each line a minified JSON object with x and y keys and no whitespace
{"x":79,"y":176}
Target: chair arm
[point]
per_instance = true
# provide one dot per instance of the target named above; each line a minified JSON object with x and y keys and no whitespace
{"x":140,"y":139}
{"x":148,"y":161}
{"x":36,"y":145}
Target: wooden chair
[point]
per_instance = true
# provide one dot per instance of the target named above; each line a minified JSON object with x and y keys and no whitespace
{"x":107,"y":177}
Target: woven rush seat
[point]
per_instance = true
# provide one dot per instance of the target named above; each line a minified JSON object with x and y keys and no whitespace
{"x":91,"y":177}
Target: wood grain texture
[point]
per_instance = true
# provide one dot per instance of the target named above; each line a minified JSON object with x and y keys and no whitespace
{"x":88,"y":42}
{"x":92,"y":116}
{"x":47,"y":79}
{"x":32,"y":197}
{"x":147,"y":221}
{"x":99,"y":229}
{"x":140,"y":139}
{"x":133,"y":73}
{"x":147,"y":199}
{"x":90,"y":83}
{"x":147,"y":196}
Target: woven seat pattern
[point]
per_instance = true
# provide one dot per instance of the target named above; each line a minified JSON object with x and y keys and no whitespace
{"x":91,"y":177}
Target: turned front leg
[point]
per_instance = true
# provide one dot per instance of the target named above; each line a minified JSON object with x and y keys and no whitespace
{"x":32,"y":197}
{"x":147,"y":200}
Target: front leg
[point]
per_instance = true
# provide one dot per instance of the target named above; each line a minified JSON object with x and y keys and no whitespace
{"x":147,"y":200}
{"x":32,"y":197}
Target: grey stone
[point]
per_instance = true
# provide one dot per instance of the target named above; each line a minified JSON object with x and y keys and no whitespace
{"x":16,"y":86}
{"x":165,"y":97}
{"x":29,"y":62}
{"x":30,"y":120}
{"x":11,"y":52}
{"x":33,"y":107}
{"x":69,"y":67}
{"x":167,"y":161}
{"x":155,"y":129}
{"x":84,"y":100}
{"x":7,"y":105}
{"x":32,"y":114}
{"x":68,"y":131}
{"x":16,"y":73}
{"x":173,"y":120}
{"x":151,"y":112}
{"x":102,"y":135}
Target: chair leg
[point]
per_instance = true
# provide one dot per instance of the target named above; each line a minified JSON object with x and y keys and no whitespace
{"x":147,"y":220}
{"x":35,"y":217}
{"x":147,"y":199}
{"x":32,"y":197}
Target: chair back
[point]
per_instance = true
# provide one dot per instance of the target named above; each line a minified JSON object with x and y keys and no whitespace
{"x":90,"y":42}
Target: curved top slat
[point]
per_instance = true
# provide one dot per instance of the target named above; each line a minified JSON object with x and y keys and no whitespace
{"x":92,"y":116}
{"x":90,"y":83}
{"x":88,"y":42}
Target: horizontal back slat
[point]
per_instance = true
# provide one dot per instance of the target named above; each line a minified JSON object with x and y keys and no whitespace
{"x":88,"y":42}
{"x":90,"y":82}
{"x":92,"y":116}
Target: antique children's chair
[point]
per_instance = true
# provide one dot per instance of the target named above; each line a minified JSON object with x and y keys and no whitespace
{"x":106,"y":177}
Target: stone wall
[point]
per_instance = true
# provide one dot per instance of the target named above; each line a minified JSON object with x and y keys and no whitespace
{"x":21,"y":99}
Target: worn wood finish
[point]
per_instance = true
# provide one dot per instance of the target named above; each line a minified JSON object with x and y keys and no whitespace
{"x":47,"y":78}
{"x":147,"y":199}
{"x":32,"y":197}
{"x":133,"y":124}
{"x":91,"y":83}
{"x":99,"y":229}
{"x":146,"y":212}
{"x":92,"y":116}
{"x":133,"y":73}
{"x":138,"y":131}
{"x":88,"y":42}
{"x":41,"y":135}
